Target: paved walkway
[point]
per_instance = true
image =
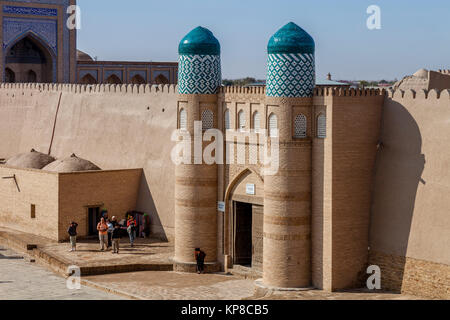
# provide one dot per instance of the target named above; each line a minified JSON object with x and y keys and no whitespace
{"x":361,"y":294}
{"x":21,"y":280}
{"x":153,"y":285}
{"x":147,"y":254}
{"x":145,"y":251}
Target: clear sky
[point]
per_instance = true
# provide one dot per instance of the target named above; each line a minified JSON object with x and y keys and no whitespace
{"x":415,"y":33}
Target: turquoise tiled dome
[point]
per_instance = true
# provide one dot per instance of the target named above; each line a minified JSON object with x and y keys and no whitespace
{"x":199,"y":41}
{"x":291,"y":39}
{"x":291,"y":63}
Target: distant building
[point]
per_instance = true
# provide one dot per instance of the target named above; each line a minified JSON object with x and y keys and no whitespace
{"x":37,"y":47}
{"x":118,"y":72}
{"x":425,"y":80}
{"x":319,"y":83}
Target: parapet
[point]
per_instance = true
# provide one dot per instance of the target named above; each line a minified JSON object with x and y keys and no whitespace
{"x":132,"y":89}
{"x":419,"y":94}
{"x":243,"y":90}
{"x":348,"y":92}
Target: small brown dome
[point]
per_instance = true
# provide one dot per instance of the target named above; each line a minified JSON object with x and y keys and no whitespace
{"x":31,"y":160}
{"x":71,"y":164}
{"x":83,"y":56}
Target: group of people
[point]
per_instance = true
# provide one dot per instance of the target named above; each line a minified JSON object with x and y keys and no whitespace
{"x":109,"y":233}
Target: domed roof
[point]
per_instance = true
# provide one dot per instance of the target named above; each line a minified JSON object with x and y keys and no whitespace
{"x":422,"y":73}
{"x":83,"y":56}
{"x":291,"y":39}
{"x":30,"y":160}
{"x":199,"y":41}
{"x":71,"y":164}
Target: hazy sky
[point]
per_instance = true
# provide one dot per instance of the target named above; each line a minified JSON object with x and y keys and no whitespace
{"x":414,"y":34}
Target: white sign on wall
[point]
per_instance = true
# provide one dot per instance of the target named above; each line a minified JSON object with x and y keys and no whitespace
{"x":221,"y":206}
{"x":251,"y":189}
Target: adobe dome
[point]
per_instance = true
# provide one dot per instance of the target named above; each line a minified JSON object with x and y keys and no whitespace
{"x":291,"y":39}
{"x":199,"y":41}
{"x":422,"y":73}
{"x":71,"y":164}
{"x":30,"y":160}
{"x":83,"y":56}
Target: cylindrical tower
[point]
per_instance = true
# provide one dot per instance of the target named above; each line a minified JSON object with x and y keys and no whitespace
{"x":287,"y":194}
{"x":199,"y":79}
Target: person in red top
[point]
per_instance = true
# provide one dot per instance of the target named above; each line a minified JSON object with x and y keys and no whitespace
{"x":131,"y":228}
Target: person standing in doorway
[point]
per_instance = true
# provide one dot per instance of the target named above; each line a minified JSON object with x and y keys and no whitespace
{"x":73,"y":235}
{"x":131,"y":229}
{"x":102,"y":228}
{"x":200,"y":258}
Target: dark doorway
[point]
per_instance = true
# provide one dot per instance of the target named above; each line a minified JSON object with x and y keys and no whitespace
{"x":94,"y":216}
{"x":32,"y":77}
{"x":243,"y":234}
{"x":10,"y":76}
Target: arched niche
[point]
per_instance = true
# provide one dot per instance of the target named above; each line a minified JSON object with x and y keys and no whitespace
{"x":113,"y":79}
{"x":161,"y":79}
{"x":31,"y":59}
{"x":88,"y":79}
{"x":137,"y":79}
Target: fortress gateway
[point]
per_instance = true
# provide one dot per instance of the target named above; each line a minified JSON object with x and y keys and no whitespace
{"x":362,"y":176}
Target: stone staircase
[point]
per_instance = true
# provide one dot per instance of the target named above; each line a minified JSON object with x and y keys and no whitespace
{"x":246,"y":272}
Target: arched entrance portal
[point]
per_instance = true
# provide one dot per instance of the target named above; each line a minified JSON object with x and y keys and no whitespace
{"x":243,"y":225}
{"x":31,"y":61}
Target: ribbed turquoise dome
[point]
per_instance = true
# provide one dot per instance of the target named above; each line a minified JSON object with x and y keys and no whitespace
{"x":291,"y":39}
{"x":199,"y":41}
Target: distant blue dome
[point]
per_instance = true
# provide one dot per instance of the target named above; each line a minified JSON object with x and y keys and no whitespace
{"x":199,"y":41}
{"x":291,"y":39}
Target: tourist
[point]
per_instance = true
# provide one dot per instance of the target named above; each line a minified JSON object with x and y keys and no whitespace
{"x":102,"y":228}
{"x":110,"y":230}
{"x":116,"y":238}
{"x":131,"y":229}
{"x":114,"y":221}
{"x":73,"y":235}
{"x":200,"y":258}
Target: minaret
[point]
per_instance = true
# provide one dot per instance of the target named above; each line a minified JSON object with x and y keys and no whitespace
{"x":287,"y":194}
{"x":199,"y":79}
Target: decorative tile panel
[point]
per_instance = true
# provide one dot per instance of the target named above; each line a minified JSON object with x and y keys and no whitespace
{"x":199,"y":74}
{"x":14,"y":28}
{"x":291,"y":75}
{"x":30,"y":11}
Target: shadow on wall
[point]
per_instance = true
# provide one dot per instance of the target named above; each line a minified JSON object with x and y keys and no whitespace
{"x":146,"y":204}
{"x":399,"y":167}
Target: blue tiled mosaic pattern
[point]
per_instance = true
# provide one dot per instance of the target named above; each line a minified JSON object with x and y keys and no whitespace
{"x":199,"y":74}
{"x":30,"y":11}
{"x":291,"y":75}
{"x":14,"y":28}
